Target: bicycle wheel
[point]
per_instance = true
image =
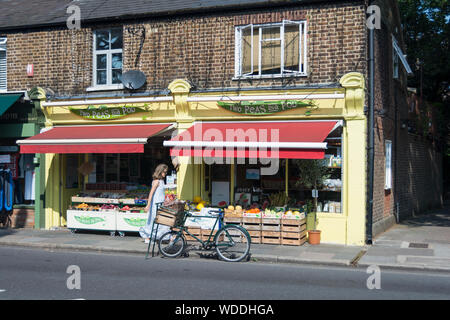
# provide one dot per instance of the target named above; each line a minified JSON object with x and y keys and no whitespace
{"x":171,"y":244}
{"x":232,"y":243}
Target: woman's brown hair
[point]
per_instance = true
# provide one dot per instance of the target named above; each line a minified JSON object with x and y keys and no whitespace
{"x":157,"y":175}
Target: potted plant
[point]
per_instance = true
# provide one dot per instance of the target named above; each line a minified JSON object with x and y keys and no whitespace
{"x":312,"y":174}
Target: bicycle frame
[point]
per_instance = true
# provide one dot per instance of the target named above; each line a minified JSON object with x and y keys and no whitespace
{"x":209,"y":240}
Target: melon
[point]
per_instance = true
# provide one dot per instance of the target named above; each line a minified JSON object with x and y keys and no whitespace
{"x":222,"y":204}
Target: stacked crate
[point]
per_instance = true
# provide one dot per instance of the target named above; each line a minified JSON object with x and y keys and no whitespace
{"x":272,"y":230}
{"x":194,"y":231}
{"x":293,"y":232}
{"x":253,"y":226}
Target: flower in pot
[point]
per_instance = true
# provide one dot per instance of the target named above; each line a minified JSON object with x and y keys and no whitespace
{"x":312,"y":174}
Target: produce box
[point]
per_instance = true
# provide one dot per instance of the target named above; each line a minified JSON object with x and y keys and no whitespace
{"x":252,"y":214}
{"x":271,"y":237}
{"x":194,"y":231}
{"x":293,"y":238}
{"x":255,"y":236}
{"x":251,"y":223}
{"x":271,"y":224}
{"x":232,"y":220}
{"x":205,"y":235}
{"x":293,"y":225}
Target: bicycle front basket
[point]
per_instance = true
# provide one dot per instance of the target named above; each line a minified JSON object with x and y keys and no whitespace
{"x":169,"y":217}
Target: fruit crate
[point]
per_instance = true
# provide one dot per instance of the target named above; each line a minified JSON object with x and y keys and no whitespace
{"x":271,"y":224}
{"x":205,"y":233}
{"x":251,"y":224}
{"x":255,"y":236}
{"x":293,"y":225}
{"x":194,"y":231}
{"x":232,"y":220}
{"x":271,"y":237}
{"x":293,"y":238}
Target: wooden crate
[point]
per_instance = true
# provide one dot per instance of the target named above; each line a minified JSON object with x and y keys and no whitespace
{"x":205,"y":234}
{"x":271,"y":237}
{"x":195,"y":231}
{"x":293,"y":238}
{"x":271,"y":224}
{"x":255,"y":236}
{"x":168,"y":217}
{"x":293,"y":225}
{"x":232,"y":220}
{"x":251,"y":223}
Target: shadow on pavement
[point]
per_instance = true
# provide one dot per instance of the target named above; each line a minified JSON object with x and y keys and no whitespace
{"x":437,"y":218}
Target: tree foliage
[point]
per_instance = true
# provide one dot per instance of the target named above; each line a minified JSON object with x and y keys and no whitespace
{"x":426,"y":30}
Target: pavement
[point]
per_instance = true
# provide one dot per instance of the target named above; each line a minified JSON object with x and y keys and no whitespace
{"x":419,"y":243}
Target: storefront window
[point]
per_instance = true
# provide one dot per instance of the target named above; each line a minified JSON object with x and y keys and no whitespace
{"x":72,"y":171}
{"x":23,"y":173}
{"x":285,"y":188}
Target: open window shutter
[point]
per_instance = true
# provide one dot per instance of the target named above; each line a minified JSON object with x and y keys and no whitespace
{"x":291,"y":46}
{"x":3,"y":70}
{"x":246,"y":52}
{"x":400,"y":54}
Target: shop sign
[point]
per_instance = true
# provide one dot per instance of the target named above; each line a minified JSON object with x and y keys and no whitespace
{"x":260,"y":108}
{"x":105,"y":113}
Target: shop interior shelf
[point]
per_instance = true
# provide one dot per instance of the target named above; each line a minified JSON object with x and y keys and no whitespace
{"x":95,"y":200}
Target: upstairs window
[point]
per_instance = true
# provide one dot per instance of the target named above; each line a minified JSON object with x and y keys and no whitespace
{"x":277,"y":49}
{"x":3,"y":70}
{"x":108,"y":57}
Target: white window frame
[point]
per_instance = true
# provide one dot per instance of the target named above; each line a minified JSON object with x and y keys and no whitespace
{"x":388,"y":164}
{"x":258,"y":28}
{"x":3,"y":42}
{"x":397,"y":53}
{"x":109,"y":85}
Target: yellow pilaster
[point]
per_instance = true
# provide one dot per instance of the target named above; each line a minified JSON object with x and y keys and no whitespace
{"x":52,"y":191}
{"x":349,"y":226}
{"x":188,"y":177}
{"x":355,"y":136}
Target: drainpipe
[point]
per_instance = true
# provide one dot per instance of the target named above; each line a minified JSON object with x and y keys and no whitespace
{"x":369,"y":215}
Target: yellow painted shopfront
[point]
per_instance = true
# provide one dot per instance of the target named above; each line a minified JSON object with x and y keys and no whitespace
{"x":127,"y":137}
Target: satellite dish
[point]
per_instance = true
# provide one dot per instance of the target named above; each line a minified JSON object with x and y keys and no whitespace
{"x":133,"y":79}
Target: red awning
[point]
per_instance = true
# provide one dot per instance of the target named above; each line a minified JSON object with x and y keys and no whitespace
{"x":257,"y":139}
{"x":92,"y":139}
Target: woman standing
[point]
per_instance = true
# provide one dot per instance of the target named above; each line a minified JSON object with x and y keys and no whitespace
{"x":155,"y":196}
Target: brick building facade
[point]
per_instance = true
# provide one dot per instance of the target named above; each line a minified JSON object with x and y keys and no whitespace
{"x":200,"y":48}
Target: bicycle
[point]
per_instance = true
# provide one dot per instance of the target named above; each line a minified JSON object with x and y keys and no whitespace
{"x":231,"y":242}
